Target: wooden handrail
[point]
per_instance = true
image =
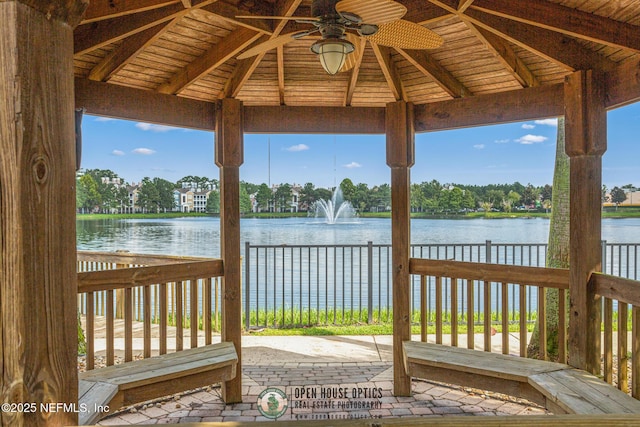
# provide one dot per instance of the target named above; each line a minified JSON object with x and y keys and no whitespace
{"x":535,"y":276}
{"x":618,"y":288}
{"x":94,"y":281}
{"x":136,"y":259}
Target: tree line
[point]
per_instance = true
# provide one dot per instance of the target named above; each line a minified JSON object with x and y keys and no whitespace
{"x":100,"y":190}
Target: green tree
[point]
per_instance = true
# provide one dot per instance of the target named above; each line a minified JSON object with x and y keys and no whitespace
{"x":283,"y":197}
{"x":558,"y":247}
{"x":263,"y":197}
{"x":530,"y":195}
{"x":546,"y":193}
{"x":348,"y":189}
{"x":213,"y":202}
{"x":148,"y":196}
{"x":618,"y":196}
{"x":87,"y":195}
{"x":165,"y":188}
{"x":245,"y":200}
{"x":122,"y":198}
{"x":308,"y":194}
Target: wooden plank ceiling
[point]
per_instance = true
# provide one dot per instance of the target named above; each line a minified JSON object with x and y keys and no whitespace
{"x":188,"y":48}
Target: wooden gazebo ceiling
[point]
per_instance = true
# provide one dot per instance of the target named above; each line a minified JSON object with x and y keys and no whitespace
{"x":188,"y":48}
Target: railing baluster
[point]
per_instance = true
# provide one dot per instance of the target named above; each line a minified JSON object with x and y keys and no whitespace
{"x":90,"y":331}
{"x":454,"y":312}
{"x":505,"y":318}
{"x":193,"y":305}
{"x":635,"y":356}
{"x":438,"y":310}
{"x":423,"y":308}
{"x":164,"y":314}
{"x":109,"y":324}
{"x":623,"y":348}
{"x":178,"y":315}
{"x":523,"y":321}
{"x":487,"y":315}
{"x":147,"y":321}
{"x":206,"y":310}
{"x":128,"y":324}
{"x":607,"y":318}
{"x":470,"y":316}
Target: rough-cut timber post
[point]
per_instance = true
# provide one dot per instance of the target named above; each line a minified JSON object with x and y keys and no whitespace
{"x":400,"y":157}
{"x":586,"y":142}
{"x":229,"y":156}
{"x":38,"y":291}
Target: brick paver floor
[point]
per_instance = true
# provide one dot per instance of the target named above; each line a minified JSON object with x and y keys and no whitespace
{"x":323,"y":390}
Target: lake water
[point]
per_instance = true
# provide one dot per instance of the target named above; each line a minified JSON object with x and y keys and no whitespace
{"x":201,"y":236}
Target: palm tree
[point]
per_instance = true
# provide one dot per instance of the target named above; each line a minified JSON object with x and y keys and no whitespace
{"x":558,"y":248}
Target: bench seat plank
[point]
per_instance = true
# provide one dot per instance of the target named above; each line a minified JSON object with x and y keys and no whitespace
{"x":560,"y":388}
{"x":90,"y":395}
{"x":145,"y":379}
{"x":579,"y":392}
{"x":475,"y":362}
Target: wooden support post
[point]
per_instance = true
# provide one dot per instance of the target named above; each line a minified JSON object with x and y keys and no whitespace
{"x":400,"y":158}
{"x":586,"y":142}
{"x":229,"y":156}
{"x":38,"y":288}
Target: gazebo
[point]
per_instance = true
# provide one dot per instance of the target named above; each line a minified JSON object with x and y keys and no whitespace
{"x":175,"y":62}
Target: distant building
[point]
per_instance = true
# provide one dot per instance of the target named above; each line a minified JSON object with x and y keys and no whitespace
{"x":183,"y":198}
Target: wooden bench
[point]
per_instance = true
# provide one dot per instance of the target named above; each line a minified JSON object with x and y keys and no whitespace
{"x":140,"y":380}
{"x":560,"y":388}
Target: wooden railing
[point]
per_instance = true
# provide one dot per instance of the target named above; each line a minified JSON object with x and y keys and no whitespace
{"x":155,"y":290}
{"x":619,"y":293}
{"x":453,"y":278}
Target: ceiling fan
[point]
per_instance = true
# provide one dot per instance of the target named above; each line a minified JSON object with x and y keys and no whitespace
{"x":340,"y":23}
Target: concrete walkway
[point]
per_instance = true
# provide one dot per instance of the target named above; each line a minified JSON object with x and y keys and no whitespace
{"x":326,"y":377}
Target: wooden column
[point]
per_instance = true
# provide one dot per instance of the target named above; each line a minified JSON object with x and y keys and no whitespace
{"x":400,"y":157}
{"x":586,"y":142}
{"x":229,"y":156}
{"x":38,"y":288}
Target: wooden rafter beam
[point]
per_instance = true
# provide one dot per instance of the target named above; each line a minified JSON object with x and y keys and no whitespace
{"x":505,"y":54}
{"x":464,"y":5}
{"x":424,"y":13}
{"x":432,"y":69}
{"x":109,"y":100}
{"x":565,"y":20}
{"x":128,"y":50}
{"x":228,"y":13}
{"x":503,"y":107}
{"x":244,"y":69}
{"x":280,"y":61}
{"x":355,"y":71}
{"x":101,"y":10}
{"x":220,"y":53}
{"x":383,"y":55}
{"x":558,"y":48}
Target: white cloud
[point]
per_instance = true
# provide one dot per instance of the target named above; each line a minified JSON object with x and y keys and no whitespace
{"x":352,"y":165}
{"x":154,"y":128}
{"x":478,"y":146}
{"x":528,"y":126}
{"x":144,"y":151}
{"x":117,"y":153}
{"x":547,"y":122}
{"x":298,"y":147}
{"x":501,"y":141}
{"x":531,"y":139}
{"x":104,"y":119}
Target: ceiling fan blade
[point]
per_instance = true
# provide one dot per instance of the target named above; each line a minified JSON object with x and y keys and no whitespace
{"x":268,"y":45}
{"x":353,"y":57}
{"x":406,"y":35}
{"x":373,"y":11}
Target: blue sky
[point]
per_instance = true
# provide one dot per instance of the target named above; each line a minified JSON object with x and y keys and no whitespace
{"x":521,"y":152}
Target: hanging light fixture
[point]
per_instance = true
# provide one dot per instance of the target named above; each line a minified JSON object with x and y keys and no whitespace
{"x":333,"y":53}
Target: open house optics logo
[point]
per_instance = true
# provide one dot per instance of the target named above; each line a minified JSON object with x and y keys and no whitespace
{"x":273,"y":403}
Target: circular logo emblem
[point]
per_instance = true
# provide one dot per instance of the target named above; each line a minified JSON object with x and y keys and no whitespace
{"x":272,"y":403}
